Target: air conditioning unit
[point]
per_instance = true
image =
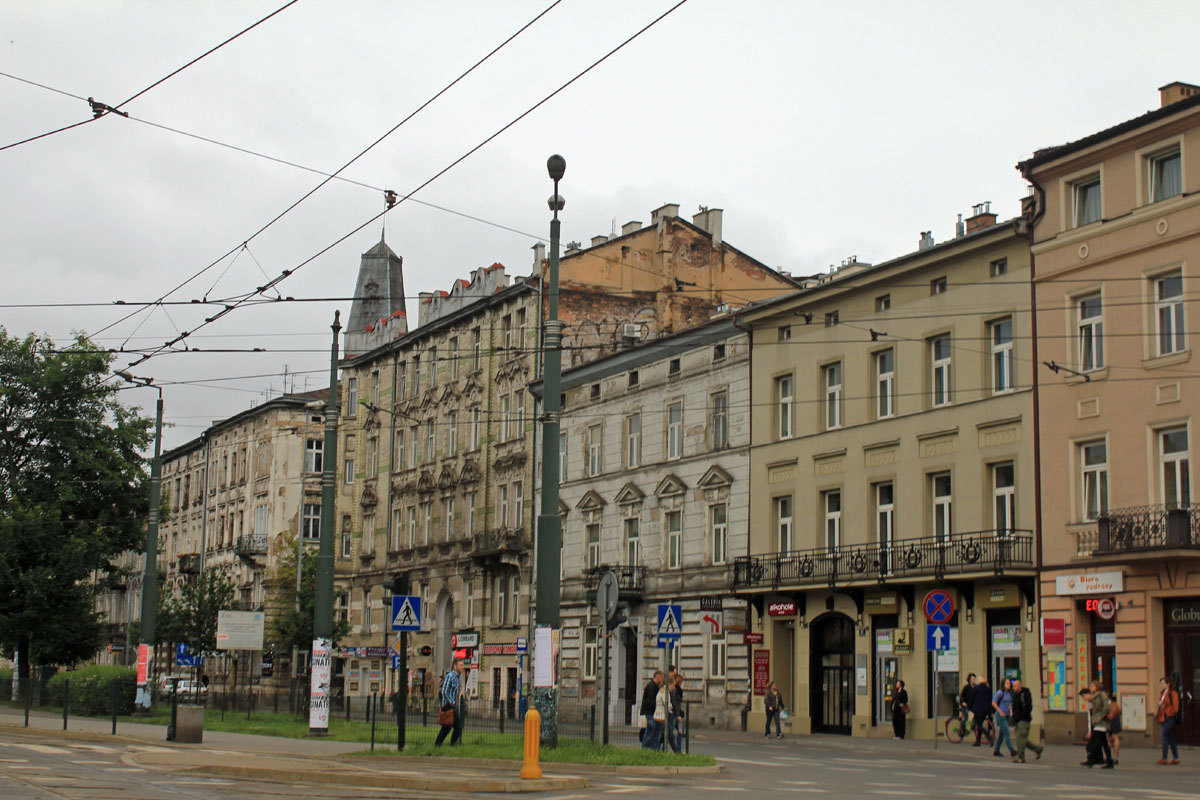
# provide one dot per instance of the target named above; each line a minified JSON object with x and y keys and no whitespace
{"x":632,"y":331}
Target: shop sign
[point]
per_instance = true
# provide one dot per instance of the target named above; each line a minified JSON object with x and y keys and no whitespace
{"x":1106,"y":639}
{"x":374,"y":651}
{"x":460,"y":641}
{"x":902,"y":641}
{"x":762,"y":671}
{"x":752,"y":638}
{"x":1089,"y":583}
{"x":786,"y":608}
{"x":883,"y":641}
{"x":1183,"y":612}
{"x":712,"y":603}
{"x":500,"y":649}
{"x":1006,"y":639}
{"x":1054,"y":632}
{"x":880,"y":601}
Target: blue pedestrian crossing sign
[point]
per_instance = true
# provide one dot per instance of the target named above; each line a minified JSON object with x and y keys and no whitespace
{"x":406,"y":612}
{"x":937,"y":637}
{"x":670,"y":621}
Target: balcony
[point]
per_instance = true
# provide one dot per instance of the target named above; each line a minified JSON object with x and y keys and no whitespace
{"x":988,"y":552}
{"x":631,"y":581}
{"x":498,"y":542}
{"x":253,"y":545}
{"x":189,"y":564}
{"x":1148,"y":529}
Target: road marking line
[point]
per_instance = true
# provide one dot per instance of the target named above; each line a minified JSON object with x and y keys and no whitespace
{"x":721,"y":788}
{"x":45,"y":749}
{"x":14,"y":760}
{"x":81,"y":761}
{"x":28,"y":766}
{"x":905,"y":793}
{"x":915,"y":774}
{"x":748,"y":761}
{"x":150,"y":748}
{"x":124,"y":769}
{"x":99,"y":748}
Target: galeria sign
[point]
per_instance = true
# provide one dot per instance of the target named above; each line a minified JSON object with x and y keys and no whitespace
{"x":782,"y":609}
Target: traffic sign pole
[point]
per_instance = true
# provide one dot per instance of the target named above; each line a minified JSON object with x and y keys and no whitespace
{"x":402,"y":705}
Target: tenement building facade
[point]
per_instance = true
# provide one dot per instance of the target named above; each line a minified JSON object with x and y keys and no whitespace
{"x":892,"y":454}
{"x":1116,"y":241}
{"x":654,"y":466}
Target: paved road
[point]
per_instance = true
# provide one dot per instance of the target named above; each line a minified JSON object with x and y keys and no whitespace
{"x":40,"y":765}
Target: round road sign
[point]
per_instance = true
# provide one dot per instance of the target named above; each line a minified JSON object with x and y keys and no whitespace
{"x":607,"y":594}
{"x":1106,"y":608}
{"x":939,"y":607}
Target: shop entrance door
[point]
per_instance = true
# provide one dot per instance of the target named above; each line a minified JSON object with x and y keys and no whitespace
{"x":831,"y":676}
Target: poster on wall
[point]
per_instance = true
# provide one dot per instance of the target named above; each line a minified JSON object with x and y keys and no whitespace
{"x":762,"y":671}
{"x":321,"y":672}
{"x":1082,"y":659}
{"x":1056,"y":680}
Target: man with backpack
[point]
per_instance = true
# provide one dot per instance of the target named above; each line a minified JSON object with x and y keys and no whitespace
{"x":1022,"y":719}
{"x":1170,"y":714}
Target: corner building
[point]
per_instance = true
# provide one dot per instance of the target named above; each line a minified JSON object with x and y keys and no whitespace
{"x":1116,"y":242}
{"x":892,"y":454}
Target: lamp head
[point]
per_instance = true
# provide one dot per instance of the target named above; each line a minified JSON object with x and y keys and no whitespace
{"x":556,"y":165}
{"x":123,"y":374}
{"x":556,"y":202}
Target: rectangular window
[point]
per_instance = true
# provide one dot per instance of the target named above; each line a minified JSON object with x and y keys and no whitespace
{"x":453,"y":357}
{"x":633,"y":440}
{"x":784,"y":400}
{"x":372,"y":456}
{"x":833,"y":396}
{"x":469,"y":597}
{"x":594,"y":392}
{"x":939,"y":351}
{"x":1085,"y":199}
{"x":785,"y":333}
{"x":593,"y":545}
{"x":452,"y":432}
{"x":831,"y":504}
{"x":401,"y":454}
{"x":502,"y":504}
{"x":1165,"y":172}
{"x":674,"y":539}
{"x":514,"y":587}
{"x":633,"y":378}
{"x":506,"y":328}
{"x":562,"y":457}
{"x":401,"y":380}
{"x":375,"y":388}
{"x":883,"y":302}
{"x":720,"y":533}
{"x":349,"y":471}
{"x":368,"y":533}
{"x":518,"y":498}
{"x":416,"y":374}
{"x":476,"y":348}
{"x":412,"y":526}
{"x":433,"y":366}
{"x":783,"y":523}
{"x":470,"y":512}
{"x":1002,"y":355}
{"x":717,"y":656}
{"x":448,"y":513}
{"x":366,"y":611}
{"x":352,"y":397}
{"x":885,"y":383}
{"x":1091,"y":333}
{"x":311,"y":525}
{"x":594,"y":450}
{"x":1004,"y":498}
{"x":675,"y":430}
{"x":414,"y":435}
{"x":720,"y":421}
{"x":938,"y":285}
{"x":998,"y":267}
{"x":718,"y":351}
{"x":500,"y":600}
{"x":942,"y":519}
{"x":1168,"y":311}
{"x":1093,"y":458}
{"x":831,"y":319}
{"x":505,"y":418}
{"x":397,"y":529}
{"x":314,"y":452}
{"x":1176,"y":472}
{"x":633,"y":548}
{"x":475,"y":423}
{"x":429,"y":441}
{"x":673,"y":367}
{"x":590,"y":653}
{"x":427,"y":513}
{"x":346,"y":543}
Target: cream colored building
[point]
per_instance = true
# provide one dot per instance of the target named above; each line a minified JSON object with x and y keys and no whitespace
{"x":1116,"y":244}
{"x":892,"y":455}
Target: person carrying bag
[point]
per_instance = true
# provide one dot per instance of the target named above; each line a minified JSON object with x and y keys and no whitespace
{"x":449,"y":716}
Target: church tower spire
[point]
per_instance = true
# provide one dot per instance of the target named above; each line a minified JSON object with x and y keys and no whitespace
{"x":377,"y":313}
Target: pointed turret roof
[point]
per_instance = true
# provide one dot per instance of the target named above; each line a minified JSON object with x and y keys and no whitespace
{"x":379,"y":290}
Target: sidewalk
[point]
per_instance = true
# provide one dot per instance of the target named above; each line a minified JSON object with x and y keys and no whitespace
{"x":1058,"y":756}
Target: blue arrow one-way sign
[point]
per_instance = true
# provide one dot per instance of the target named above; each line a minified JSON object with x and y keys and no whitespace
{"x":937,"y":637}
{"x":406,"y":612}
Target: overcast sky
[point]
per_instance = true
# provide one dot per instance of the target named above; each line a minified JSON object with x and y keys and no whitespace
{"x":823,"y":130}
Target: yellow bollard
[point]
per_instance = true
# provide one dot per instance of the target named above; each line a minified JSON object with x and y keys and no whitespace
{"x":533,"y":745}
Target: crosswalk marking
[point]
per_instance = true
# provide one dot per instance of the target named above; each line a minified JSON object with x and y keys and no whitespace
{"x":44,"y":749}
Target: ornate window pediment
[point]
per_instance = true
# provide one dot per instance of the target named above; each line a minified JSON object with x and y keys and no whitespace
{"x":563,"y":509}
{"x":469,"y":473}
{"x":425,"y":483}
{"x":591,"y":501}
{"x":368,"y":497}
{"x":629,"y":495}
{"x":447,"y":480}
{"x":472,"y":388}
{"x":715,"y":478}
{"x":670,"y":486}
{"x":449,"y":395}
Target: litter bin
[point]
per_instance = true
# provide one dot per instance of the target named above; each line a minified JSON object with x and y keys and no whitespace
{"x":189,"y":724}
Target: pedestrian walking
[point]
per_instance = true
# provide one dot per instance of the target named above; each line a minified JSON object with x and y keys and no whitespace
{"x":450,"y":717}
{"x":1002,"y":711}
{"x":675,"y":726}
{"x":646,"y":709}
{"x":981,"y":707}
{"x":1022,"y":720}
{"x":1097,"y":746}
{"x":899,"y":710}
{"x":1168,"y":716}
{"x":657,"y":736}
{"x":773,"y":703}
{"x":1114,"y":728}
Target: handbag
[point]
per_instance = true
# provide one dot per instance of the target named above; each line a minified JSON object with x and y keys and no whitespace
{"x":446,"y":716}
{"x":904,"y":708}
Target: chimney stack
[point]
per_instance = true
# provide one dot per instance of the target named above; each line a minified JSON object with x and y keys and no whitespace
{"x":539,"y":256}
{"x":1176,"y":91}
{"x":709,"y":219}
{"x":631,"y":227}
{"x":599,"y":240}
{"x":981,"y":217}
{"x":664,"y":211}
{"x":926,"y":240}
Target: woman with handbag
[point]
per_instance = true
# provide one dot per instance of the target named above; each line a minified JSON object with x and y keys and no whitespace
{"x":449,"y":716}
{"x":773,"y":703}
{"x":899,"y":709}
{"x":1168,"y":717}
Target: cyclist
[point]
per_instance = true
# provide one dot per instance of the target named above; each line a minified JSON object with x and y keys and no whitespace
{"x":964,"y":702}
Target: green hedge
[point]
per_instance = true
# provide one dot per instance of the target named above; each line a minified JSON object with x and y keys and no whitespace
{"x":92,"y":689}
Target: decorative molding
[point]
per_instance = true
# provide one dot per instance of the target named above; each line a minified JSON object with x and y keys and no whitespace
{"x":715,"y":478}
{"x":670,"y":486}
{"x":591,"y":500}
{"x":630,"y":494}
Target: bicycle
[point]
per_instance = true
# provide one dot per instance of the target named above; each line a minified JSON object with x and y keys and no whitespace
{"x":957,"y":730}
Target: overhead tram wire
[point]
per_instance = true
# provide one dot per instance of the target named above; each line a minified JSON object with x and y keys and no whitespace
{"x":342,"y":168}
{"x":403,"y":198}
{"x":102,"y":110}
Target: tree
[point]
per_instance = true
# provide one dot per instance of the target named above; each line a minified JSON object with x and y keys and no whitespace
{"x":189,"y":614}
{"x":290,"y":626}
{"x":73,"y":494}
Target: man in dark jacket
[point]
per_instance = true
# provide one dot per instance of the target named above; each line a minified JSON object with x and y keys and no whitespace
{"x":1022,"y":719}
{"x":981,"y":707}
{"x":649,"y":696}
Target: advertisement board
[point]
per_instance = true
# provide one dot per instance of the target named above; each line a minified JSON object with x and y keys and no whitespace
{"x":240,"y":630}
{"x":762,"y":671}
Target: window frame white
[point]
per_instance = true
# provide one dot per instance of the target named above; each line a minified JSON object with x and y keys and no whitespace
{"x":1002,"y":355}
{"x":631,"y":540}
{"x":1004,"y":497}
{"x":675,"y":431}
{"x":673,"y":523}
{"x":885,"y":384}
{"x":941,"y":507}
{"x":1089,"y":331}
{"x":720,"y":419}
{"x":831,"y":510}
{"x":452,"y":433}
{"x":785,"y":397}
{"x":314,"y":455}
{"x":1169,"y":309}
{"x":718,"y":656}
{"x":719,"y":532}
{"x":784,"y":523}
{"x":1079,"y":188}
{"x":595,"y":434}
{"x":633,"y":440}
{"x":832,"y":378}
{"x":1154,"y":176}
{"x":941,"y":368}
{"x":593,"y":544}
{"x":591,"y":652}
{"x":1179,"y":464}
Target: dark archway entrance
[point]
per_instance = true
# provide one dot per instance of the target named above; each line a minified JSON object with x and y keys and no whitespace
{"x":831,"y":676}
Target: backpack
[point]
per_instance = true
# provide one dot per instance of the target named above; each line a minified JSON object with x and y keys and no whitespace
{"x":1179,"y":704}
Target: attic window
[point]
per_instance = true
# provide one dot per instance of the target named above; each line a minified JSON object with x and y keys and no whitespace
{"x":562,"y":401}
{"x":883,"y":302}
{"x":718,"y":351}
{"x":595,"y":393}
{"x":673,"y":367}
{"x":633,"y":378}
{"x":785,"y":333}
{"x":831,"y":319}
{"x":999,"y":267}
{"x":937,"y":285}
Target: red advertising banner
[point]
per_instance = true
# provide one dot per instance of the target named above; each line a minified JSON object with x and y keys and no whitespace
{"x":752,"y":638}
{"x":143,"y":663}
{"x":1054,"y":632}
{"x":762,"y":671}
{"x":782,"y":609}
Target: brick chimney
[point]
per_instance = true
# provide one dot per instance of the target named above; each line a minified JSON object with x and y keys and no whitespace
{"x":981,"y":217}
{"x":1176,"y":91}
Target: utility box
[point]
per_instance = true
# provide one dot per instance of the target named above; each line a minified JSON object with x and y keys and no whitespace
{"x":189,"y":724}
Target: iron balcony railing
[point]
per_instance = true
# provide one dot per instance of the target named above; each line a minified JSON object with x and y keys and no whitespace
{"x":979,"y":551}
{"x":1148,"y":528}
{"x":499,"y":540}
{"x":631,"y":580}
{"x":252,"y":544}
